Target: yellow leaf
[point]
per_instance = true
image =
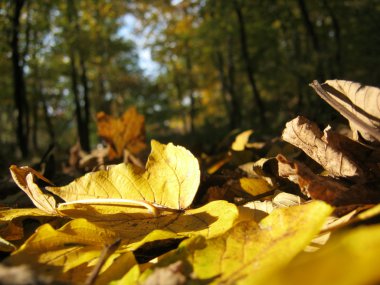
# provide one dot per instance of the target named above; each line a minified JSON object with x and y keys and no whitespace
{"x":68,"y":253}
{"x":211,"y":220}
{"x":171,"y":180}
{"x":23,"y":177}
{"x":241,"y":140}
{"x":116,"y":267}
{"x":250,"y":251}
{"x":350,"y":258}
{"x":126,"y":132}
{"x":255,"y":186}
{"x":11,"y":221}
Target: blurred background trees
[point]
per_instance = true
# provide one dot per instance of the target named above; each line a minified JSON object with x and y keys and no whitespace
{"x":222,"y":65}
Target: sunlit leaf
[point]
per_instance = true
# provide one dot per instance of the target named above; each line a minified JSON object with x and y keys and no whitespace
{"x":250,"y":252}
{"x":350,"y":258}
{"x":170,"y":180}
{"x":357,"y":102}
{"x":24,"y":178}
{"x":68,"y":254}
{"x":11,"y":221}
{"x":241,"y":140}
{"x":211,"y":220}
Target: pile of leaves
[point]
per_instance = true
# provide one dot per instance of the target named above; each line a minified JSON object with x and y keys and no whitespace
{"x":245,"y":216}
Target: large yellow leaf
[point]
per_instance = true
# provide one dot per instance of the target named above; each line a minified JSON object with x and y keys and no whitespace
{"x":11,"y":221}
{"x":351,"y":258}
{"x":171,"y":180}
{"x":211,"y":220}
{"x":68,"y":254}
{"x":250,"y":251}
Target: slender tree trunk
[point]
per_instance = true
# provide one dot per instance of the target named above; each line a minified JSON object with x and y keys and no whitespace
{"x":224,"y":89}
{"x":86,"y":119}
{"x":338,"y":49}
{"x":179,"y":92}
{"x":82,"y":125}
{"x":19,"y":83}
{"x":189,"y":68}
{"x":236,"y":115}
{"x":313,"y":38}
{"x":247,"y":61}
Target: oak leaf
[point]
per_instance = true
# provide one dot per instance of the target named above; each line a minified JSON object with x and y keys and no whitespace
{"x":126,"y":132}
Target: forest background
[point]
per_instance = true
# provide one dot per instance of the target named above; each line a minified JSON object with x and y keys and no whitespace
{"x":219,"y":65}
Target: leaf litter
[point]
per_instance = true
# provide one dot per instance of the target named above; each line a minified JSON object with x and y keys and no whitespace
{"x":262,"y":213}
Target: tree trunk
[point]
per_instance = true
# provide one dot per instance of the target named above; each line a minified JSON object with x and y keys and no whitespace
{"x":86,"y":121}
{"x":338,"y":42}
{"x":19,"y":83}
{"x":313,"y":38}
{"x":82,"y":124}
{"x":247,"y":61}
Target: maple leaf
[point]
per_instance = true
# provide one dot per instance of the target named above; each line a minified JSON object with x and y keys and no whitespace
{"x":126,"y":132}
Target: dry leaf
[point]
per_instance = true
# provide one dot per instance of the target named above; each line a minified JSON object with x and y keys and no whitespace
{"x":126,"y":132}
{"x":327,"y":152}
{"x":356,"y":102}
{"x":324,"y":188}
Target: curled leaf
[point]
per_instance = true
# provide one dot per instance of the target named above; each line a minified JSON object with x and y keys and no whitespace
{"x":327,"y":152}
{"x":356,"y":102}
{"x":23,"y":177}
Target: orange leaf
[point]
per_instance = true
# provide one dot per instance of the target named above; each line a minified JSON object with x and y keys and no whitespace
{"x":126,"y":132}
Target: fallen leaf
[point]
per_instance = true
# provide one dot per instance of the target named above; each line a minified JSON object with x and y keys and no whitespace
{"x":67,"y":254}
{"x":250,"y":252}
{"x":324,"y":188}
{"x":11,"y":221}
{"x":356,"y":102}
{"x":170,"y":275}
{"x":126,"y":132}
{"x":23,"y":177}
{"x":170,"y":180}
{"x":351,"y":258}
{"x":255,"y":186}
{"x":307,"y":136}
{"x":211,"y":220}
{"x":241,"y":140}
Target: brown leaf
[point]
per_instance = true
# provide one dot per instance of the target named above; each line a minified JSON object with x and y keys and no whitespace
{"x":126,"y":132}
{"x":327,"y":189}
{"x":171,"y":275}
{"x":323,"y":147}
{"x":356,"y":102}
